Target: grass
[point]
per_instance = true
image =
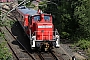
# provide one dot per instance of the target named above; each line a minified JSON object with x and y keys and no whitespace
{"x":88,"y":53}
{"x":82,"y":45}
{"x":4,"y":55}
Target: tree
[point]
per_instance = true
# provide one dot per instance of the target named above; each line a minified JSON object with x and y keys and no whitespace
{"x":71,"y":18}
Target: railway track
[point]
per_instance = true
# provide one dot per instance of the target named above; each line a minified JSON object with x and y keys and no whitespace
{"x":12,"y":49}
{"x":18,"y":54}
{"x":48,"y":56}
{"x":29,"y":57}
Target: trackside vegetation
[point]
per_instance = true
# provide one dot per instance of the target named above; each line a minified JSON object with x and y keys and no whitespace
{"x":4,"y":51}
{"x":4,"y":55}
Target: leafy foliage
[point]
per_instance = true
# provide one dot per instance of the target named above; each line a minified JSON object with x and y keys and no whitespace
{"x":4,"y":55}
{"x":1,"y":35}
{"x":83,"y":44}
{"x":43,"y":5}
{"x":65,"y":35}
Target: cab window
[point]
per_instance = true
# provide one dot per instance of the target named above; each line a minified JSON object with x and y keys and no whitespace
{"x":46,"y":18}
{"x":36,"y":18}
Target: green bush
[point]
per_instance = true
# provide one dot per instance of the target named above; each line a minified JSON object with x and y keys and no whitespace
{"x":4,"y":55}
{"x":28,"y":4}
{"x":83,"y":44}
{"x":64,"y":35}
{"x":1,"y":35}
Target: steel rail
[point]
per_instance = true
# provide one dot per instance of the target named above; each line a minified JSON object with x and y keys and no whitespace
{"x":12,"y":49}
{"x":21,"y":44}
{"x":51,"y":55}
{"x":54,"y":55}
{"x":40,"y":56}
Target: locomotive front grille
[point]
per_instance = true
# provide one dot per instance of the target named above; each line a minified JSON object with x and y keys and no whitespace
{"x":45,"y":35}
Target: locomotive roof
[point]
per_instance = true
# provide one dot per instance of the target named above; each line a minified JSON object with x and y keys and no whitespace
{"x":26,"y":10}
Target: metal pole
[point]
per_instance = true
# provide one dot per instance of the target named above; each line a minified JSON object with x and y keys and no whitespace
{"x":26,"y":2}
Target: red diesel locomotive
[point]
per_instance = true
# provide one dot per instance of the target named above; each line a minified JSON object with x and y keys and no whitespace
{"x":38,"y":27}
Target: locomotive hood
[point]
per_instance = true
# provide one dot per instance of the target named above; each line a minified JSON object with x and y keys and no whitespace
{"x":44,"y":31}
